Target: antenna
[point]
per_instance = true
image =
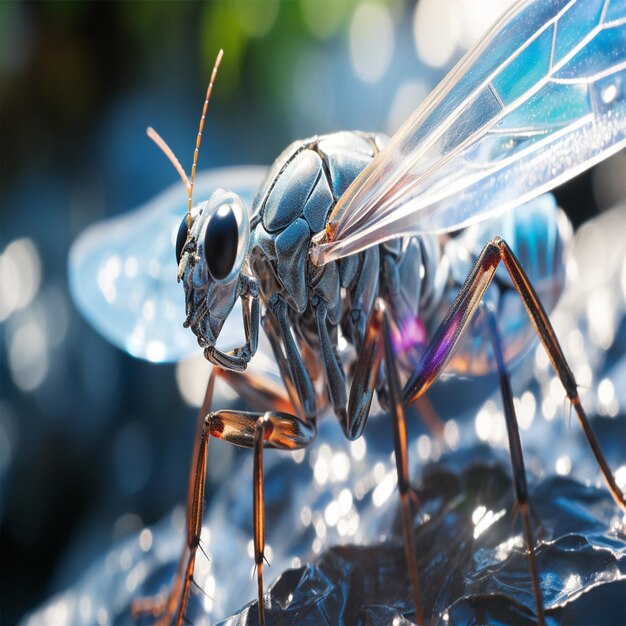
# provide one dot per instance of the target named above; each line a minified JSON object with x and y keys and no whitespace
{"x":159,"y":141}
{"x":218,"y":60}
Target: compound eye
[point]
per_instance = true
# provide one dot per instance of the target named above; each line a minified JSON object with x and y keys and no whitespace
{"x":221,"y":242}
{"x":181,"y":238}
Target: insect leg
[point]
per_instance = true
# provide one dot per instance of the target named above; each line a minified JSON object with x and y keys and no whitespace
{"x":258,"y":513}
{"x":450,"y":331}
{"x":277,"y":430}
{"x":365,"y":382}
{"x":546,"y":333}
{"x":517,"y":458}
{"x":282,"y":431}
{"x":401,"y":453}
{"x":254,"y":430}
{"x":299,"y":375}
{"x":363,"y":290}
{"x":365,"y":377}
{"x":361,"y":393}
{"x":178,"y":596}
{"x":402,"y":313}
{"x":251,"y":313}
{"x":239,"y":359}
{"x":271,"y":330}
{"x":332,"y":367}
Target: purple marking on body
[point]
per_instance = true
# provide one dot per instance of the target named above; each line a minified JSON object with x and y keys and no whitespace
{"x":444,"y":347}
{"x":411,"y":333}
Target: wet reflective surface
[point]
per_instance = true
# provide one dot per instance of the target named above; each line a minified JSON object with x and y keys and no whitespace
{"x":469,"y":575}
{"x":469,"y":544}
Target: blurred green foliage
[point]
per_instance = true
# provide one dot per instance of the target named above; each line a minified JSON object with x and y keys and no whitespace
{"x":62,"y":59}
{"x":241,"y":27}
{"x":280,"y":29}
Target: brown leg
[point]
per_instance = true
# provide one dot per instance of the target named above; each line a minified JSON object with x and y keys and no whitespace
{"x":195,"y":510}
{"x":517,"y":460}
{"x":164,"y":609}
{"x":253,"y":430}
{"x":277,"y":430}
{"x":546,"y":333}
{"x":402,"y":461}
{"x":456,"y":322}
{"x":377,"y":330}
{"x":259,"y":513}
{"x":443,"y":344}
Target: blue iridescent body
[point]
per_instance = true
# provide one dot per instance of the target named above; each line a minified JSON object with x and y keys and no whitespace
{"x":417,"y":276}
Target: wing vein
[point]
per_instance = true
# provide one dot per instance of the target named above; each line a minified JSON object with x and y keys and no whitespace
{"x":525,"y":109}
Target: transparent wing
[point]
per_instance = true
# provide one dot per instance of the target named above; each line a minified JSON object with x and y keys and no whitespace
{"x":122,"y":272}
{"x":540,"y":98}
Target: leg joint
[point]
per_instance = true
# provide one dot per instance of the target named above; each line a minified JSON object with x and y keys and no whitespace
{"x":264,"y":426}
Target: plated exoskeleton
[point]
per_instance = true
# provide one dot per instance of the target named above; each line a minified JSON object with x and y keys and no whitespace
{"x":346,"y":239}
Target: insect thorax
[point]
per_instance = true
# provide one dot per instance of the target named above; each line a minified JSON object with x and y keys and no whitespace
{"x":293,"y":204}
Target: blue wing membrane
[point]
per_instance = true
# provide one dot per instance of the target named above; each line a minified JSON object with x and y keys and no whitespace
{"x":122,"y":272}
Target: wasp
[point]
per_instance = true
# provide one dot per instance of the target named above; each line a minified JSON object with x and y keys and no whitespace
{"x":343,"y":241}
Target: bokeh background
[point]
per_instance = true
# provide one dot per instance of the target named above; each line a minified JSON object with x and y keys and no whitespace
{"x":95,"y":444}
